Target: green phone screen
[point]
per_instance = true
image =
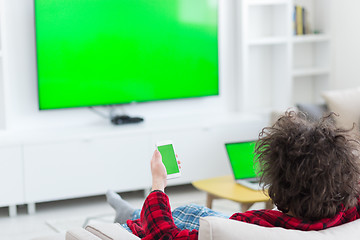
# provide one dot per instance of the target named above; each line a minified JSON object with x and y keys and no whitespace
{"x":169,"y":158}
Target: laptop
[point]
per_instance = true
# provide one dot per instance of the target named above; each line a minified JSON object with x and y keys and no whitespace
{"x":241,"y":156}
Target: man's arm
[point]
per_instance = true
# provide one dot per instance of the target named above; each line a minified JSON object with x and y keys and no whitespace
{"x":156,"y":218}
{"x":157,"y":221}
{"x":158,"y":172}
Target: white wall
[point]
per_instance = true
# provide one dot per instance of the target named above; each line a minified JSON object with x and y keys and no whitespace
{"x":346,"y":44}
{"x":21,"y":106}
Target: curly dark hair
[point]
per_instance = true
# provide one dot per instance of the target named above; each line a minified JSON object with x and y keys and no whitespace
{"x":311,"y":168}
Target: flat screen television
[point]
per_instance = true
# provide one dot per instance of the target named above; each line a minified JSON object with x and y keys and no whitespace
{"x":104,"y":52}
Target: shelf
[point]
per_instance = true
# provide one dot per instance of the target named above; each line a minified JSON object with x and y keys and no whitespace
{"x":310,"y":72}
{"x":266,"y":2}
{"x":267,"y":41}
{"x":273,"y":60}
{"x":311,"y":38}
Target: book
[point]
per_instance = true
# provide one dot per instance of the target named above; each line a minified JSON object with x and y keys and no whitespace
{"x":304,"y":27}
{"x":299,"y":20}
{"x":294,"y":21}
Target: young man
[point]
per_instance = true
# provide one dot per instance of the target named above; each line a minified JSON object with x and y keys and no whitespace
{"x":311,"y":170}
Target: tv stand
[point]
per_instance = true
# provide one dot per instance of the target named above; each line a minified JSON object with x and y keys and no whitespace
{"x":86,"y":160}
{"x":125,"y":119}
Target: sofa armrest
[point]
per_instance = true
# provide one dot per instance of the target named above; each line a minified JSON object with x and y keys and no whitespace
{"x":110,"y":231}
{"x":215,"y":228}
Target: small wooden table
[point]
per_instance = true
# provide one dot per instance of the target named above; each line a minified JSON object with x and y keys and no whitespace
{"x":226,"y":188}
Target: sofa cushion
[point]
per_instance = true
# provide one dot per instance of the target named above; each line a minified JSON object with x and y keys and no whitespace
{"x":114,"y":231}
{"x":80,"y":234}
{"x":214,"y":228}
{"x":313,"y":111}
{"x":346,"y":103}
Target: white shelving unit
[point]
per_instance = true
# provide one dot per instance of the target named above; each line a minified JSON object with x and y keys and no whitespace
{"x":279,"y":69}
{"x":310,"y":72}
{"x":267,"y":41}
{"x":311,"y":38}
{"x":266,"y":2}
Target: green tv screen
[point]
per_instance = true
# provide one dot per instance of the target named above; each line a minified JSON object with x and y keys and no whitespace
{"x":102,"y":52}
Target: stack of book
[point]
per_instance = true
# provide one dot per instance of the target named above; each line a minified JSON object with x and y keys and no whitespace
{"x":300,"y":23}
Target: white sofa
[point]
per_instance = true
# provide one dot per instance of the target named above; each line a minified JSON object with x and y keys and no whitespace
{"x":213,"y":228}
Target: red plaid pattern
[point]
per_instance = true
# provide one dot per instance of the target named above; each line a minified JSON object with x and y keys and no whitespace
{"x":156,"y":221}
{"x":271,"y":218}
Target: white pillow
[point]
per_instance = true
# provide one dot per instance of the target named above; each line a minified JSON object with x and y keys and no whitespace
{"x":346,"y":103}
{"x":110,"y":231}
{"x":214,"y":228}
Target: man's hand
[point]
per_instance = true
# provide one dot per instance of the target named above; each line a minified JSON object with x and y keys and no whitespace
{"x":158,"y":172}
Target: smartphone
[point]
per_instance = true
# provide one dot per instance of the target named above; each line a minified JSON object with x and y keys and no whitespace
{"x":167,"y":151}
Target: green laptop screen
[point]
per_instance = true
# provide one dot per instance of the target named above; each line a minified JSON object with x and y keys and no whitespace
{"x":241,"y":156}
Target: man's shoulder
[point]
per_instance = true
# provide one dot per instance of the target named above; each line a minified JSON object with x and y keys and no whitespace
{"x":262,"y":217}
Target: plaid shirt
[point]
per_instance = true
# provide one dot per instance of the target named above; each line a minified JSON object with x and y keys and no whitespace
{"x":156,"y":221}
